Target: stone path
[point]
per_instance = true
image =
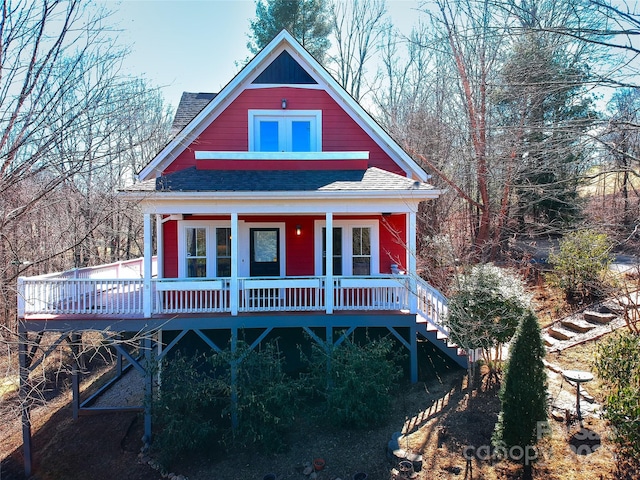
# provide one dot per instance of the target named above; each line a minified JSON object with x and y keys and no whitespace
{"x":590,"y":324}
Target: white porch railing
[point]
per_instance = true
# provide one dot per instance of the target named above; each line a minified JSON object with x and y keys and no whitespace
{"x":117,"y":289}
{"x":432,"y":305}
{"x":109,"y":289}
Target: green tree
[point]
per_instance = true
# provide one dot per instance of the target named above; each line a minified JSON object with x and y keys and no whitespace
{"x":523,"y":395}
{"x":484,"y":311}
{"x":580,"y":266}
{"x":618,"y":365}
{"x":307,"y":20}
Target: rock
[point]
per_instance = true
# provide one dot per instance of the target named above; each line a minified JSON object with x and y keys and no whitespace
{"x":313,"y":476}
{"x":307,"y":471}
{"x":557,"y":415}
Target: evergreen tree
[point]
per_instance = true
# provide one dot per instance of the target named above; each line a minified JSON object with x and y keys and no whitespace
{"x":307,"y":20}
{"x":544,"y":98}
{"x":524,"y":392}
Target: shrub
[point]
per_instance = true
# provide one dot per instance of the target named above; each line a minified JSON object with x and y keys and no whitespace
{"x":580,"y":266}
{"x":357,"y":389}
{"x":267,"y":398}
{"x":187,"y":412}
{"x":618,"y":365}
{"x":485,"y":309}
{"x":523,"y":395}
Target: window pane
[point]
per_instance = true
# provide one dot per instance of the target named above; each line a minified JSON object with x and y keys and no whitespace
{"x":361,"y":251}
{"x":196,"y":267}
{"x":223,"y":242}
{"x":265,"y":246}
{"x":224,"y":267}
{"x":301,"y":136}
{"x":268,"y":136}
{"x":223,"y":252}
{"x":361,"y":266}
{"x":196,"y":242}
{"x":337,"y":251}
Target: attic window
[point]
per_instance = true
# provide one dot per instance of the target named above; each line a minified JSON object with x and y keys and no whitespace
{"x":285,"y":131}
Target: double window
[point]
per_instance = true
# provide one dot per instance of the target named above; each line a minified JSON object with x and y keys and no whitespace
{"x":355,"y":248}
{"x":285,"y":131}
{"x":197,"y":244}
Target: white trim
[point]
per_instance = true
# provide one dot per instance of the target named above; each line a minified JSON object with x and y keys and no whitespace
{"x":285,"y":117}
{"x":166,"y":285}
{"x":204,"y":155}
{"x":347,"y":244}
{"x":303,"y":86}
{"x":210,"y":226}
{"x":244,"y":253}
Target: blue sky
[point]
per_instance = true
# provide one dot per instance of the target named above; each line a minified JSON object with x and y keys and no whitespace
{"x":193,"y":45}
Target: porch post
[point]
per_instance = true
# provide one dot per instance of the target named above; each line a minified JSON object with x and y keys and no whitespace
{"x":413,"y":353}
{"x":148,"y":253}
{"x":160,"y":243}
{"x":24,"y":402}
{"x":328,"y":288}
{"x":234,"y":294}
{"x":411,"y":262}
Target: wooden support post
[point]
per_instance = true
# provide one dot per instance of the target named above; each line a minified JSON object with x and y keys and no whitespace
{"x":24,"y":402}
{"x":234,"y":379}
{"x":148,"y":384}
{"x":75,"y":375}
{"x":413,"y":353}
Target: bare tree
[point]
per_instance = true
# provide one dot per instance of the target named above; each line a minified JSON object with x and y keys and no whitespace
{"x":358,"y":27}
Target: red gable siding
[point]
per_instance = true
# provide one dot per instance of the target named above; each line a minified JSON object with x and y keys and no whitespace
{"x":229,"y":132}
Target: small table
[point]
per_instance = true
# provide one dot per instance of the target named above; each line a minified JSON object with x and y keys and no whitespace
{"x":579,"y":377}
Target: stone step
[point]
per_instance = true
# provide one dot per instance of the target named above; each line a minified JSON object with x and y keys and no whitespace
{"x":561,"y":333}
{"x":548,"y":340}
{"x":598,"y":317}
{"x":577,"y":325}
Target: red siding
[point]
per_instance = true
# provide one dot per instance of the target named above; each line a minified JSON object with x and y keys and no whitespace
{"x":392,"y":242}
{"x":170,"y":239}
{"x":229,"y":132}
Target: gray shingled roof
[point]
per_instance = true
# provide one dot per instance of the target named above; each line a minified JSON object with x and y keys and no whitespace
{"x":193,"y":180}
{"x":190,"y":105}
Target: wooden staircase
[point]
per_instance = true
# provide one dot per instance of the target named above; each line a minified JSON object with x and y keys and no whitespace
{"x":432,"y":308}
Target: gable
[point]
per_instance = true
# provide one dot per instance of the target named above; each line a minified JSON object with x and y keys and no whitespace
{"x":284,"y":70}
{"x":283,"y":60}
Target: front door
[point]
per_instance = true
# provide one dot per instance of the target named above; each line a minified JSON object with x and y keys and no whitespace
{"x":264,"y":252}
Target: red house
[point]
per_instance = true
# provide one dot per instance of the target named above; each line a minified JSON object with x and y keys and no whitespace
{"x":263,"y":183}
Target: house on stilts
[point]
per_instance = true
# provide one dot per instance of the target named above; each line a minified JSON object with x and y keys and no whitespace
{"x":279,"y":204}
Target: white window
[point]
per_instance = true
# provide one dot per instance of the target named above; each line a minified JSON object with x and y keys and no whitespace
{"x":204,"y":249}
{"x":285,"y":131}
{"x":356,"y":247}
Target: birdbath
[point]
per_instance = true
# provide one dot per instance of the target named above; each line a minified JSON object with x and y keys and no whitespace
{"x":579,"y":377}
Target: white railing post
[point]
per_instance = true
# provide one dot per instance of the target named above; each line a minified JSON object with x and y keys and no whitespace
{"x":328,"y":260}
{"x":146,"y":290}
{"x":234,"y":293}
{"x":411,"y":262}
{"x":21,"y":296}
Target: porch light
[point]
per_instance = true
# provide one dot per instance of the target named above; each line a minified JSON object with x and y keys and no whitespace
{"x":298,"y":230}
{"x":284,"y":103}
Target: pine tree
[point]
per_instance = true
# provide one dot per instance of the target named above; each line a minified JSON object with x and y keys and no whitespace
{"x":524,"y":392}
{"x":307,"y":20}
